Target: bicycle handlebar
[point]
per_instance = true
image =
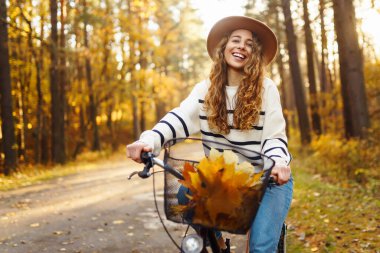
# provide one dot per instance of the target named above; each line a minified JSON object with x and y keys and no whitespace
{"x":149,"y":160}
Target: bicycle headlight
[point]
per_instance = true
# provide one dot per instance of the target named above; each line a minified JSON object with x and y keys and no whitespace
{"x":192,"y":244}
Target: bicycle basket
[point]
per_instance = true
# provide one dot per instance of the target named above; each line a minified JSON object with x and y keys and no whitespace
{"x":231,"y":206}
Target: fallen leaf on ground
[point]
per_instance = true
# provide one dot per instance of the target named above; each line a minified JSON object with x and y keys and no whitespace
{"x":118,"y":222}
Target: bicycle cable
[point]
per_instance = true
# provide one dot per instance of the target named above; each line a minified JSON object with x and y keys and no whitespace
{"x":159,"y":215}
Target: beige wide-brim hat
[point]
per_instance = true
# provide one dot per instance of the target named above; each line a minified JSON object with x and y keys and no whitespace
{"x":227,"y":25}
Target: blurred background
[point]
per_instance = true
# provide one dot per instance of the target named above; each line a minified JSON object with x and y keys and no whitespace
{"x":91,"y":75}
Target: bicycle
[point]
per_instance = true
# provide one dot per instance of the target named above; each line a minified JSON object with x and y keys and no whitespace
{"x":173,"y":169}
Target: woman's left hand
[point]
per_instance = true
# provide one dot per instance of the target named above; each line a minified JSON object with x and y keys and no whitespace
{"x":281,"y":173}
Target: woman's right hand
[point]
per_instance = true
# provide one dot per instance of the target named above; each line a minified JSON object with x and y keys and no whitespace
{"x":135,"y":149}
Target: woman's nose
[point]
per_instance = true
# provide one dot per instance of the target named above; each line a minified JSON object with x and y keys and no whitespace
{"x":241,"y":45}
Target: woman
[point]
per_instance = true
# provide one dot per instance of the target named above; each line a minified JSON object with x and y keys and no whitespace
{"x":239,"y":106}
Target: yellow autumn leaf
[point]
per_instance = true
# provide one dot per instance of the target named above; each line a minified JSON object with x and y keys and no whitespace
{"x":214,"y":154}
{"x":230,"y":157}
{"x":245,"y":167}
{"x":220,"y":190}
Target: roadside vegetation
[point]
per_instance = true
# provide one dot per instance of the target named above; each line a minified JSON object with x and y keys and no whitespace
{"x":336,"y":198}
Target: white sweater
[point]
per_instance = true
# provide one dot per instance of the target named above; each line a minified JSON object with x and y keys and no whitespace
{"x":267,"y":137}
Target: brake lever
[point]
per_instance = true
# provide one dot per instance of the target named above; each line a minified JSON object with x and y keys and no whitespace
{"x":132,"y":174}
{"x":147,"y":159}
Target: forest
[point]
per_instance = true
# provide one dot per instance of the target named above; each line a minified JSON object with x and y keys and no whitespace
{"x":90,"y":75}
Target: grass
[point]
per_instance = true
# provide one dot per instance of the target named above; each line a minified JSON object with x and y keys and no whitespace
{"x":327,"y":217}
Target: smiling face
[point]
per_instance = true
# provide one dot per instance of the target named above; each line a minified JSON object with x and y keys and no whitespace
{"x":238,"y":49}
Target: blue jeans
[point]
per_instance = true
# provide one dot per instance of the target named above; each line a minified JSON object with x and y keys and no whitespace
{"x":266,"y":228}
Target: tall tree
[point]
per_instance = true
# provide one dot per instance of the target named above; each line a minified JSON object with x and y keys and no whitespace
{"x":92,"y":105}
{"x":42,"y":136}
{"x":324,"y":84}
{"x":57,"y":118}
{"x":62,"y":70}
{"x":315,"y":118}
{"x":279,"y":61}
{"x":7,"y":123}
{"x":355,"y":110}
{"x":132,"y":34}
{"x":295,"y":69}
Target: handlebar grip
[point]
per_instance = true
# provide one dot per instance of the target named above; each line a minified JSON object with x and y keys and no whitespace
{"x":146,"y":156}
{"x":272,"y":181}
{"x":147,"y":159}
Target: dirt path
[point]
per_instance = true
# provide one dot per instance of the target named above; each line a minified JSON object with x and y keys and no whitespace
{"x":93,"y":211}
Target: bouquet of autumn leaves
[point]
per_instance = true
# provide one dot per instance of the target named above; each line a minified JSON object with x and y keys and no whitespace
{"x":222,"y":192}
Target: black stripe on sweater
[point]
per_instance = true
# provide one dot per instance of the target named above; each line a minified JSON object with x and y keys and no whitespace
{"x":242,"y":143}
{"x":232,"y":111}
{"x":161,"y":136}
{"x":271,"y":156}
{"x":170,"y":126}
{"x":254,"y":127}
{"x":283,"y":150}
{"x":253,"y":158}
{"x":183,"y":124}
{"x":232,"y":127}
{"x":283,"y":141}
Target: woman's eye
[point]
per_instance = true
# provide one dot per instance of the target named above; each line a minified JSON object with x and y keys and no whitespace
{"x":235,"y":41}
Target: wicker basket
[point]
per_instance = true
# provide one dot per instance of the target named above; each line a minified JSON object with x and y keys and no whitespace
{"x":178,"y":151}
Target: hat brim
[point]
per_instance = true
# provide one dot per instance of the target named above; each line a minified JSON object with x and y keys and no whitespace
{"x":260,"y":30}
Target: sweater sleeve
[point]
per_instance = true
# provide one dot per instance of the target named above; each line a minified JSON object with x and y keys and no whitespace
{"x":274,"y":140}
{"x":182,"y":121}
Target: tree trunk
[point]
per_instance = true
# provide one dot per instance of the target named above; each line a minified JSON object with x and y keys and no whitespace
{"x":62,"y":76}
{"x":280,"y":65}
{"x":299,"y":94}
{"x":36,"y":58}
{"x":92,"y":105}
{"x":355,"y":110}
{"x":326,"y":85}
{"x":133,"y":82}
{"x":7,"y":123}
{"x":44,"y":127}
{"x":316,"y":120}
{"x":38,"y":130}
{"x":81,"y":140}
{"x":57,"y":119}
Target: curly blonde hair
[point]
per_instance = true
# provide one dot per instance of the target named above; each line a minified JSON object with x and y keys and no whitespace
{"x":248,"y":97}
